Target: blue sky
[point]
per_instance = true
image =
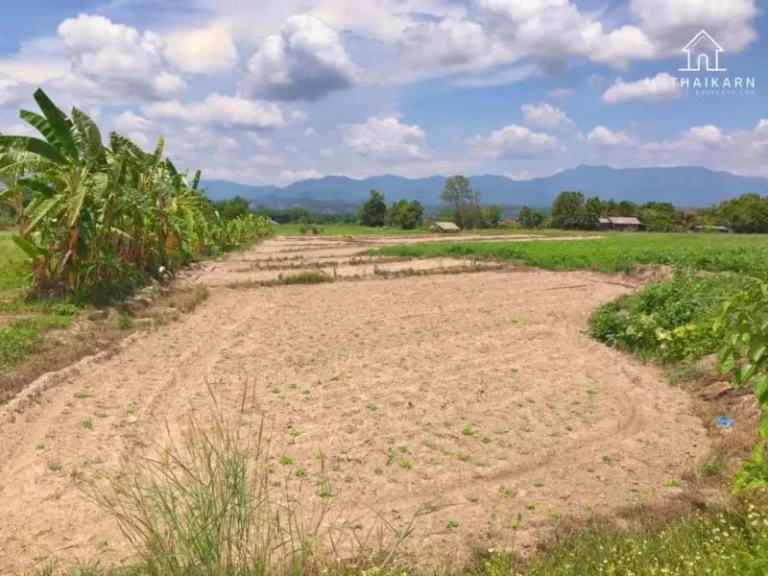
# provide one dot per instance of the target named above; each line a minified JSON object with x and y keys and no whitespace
{"x":271,"y":91}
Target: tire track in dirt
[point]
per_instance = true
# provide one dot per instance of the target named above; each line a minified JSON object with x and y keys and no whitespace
{"x":366,"y":372}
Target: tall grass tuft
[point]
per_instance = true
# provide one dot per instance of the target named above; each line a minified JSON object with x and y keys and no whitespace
{"x":205,"y":505}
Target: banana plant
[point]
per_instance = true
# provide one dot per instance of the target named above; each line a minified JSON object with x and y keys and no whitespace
{"x":94,"y":215}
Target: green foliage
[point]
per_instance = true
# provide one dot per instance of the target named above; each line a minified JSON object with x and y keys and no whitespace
{"x":744,"y":320}
{"x":531,"y":218}
{"x":96,"y":221}
{"x":669,"y":321}
{"x":405,"y":215}
{"x":568,"y":211}
{"x":746,"y":214}
{"x":232,"y":209}
{"x":297,"y":214}
{"x":13,"y":266}
{"x":593,"y":211}
{"x":624,"y":208}
{"x":374,"y":211}
{"x":461,"y":200}
{"x":23,"y":337}
{"x":492,"y":216}
{"x":659,"y":217}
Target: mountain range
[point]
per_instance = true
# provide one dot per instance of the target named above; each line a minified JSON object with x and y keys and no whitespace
{"x":689,"y":187}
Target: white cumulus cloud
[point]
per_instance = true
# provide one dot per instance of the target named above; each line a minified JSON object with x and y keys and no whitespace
{"x":672,"y":23}
{"x":515,"y":142}
{"x":220,"y":111}
{"x":602,"y":136}
{"x":118,"y":57}
{"x":129,"y":121}
{"x":546,"y":117}
{"x":386,"y":138}
{"x":305,"y":61}
{"x":296,"y":175}
{"x":201,"y":50}
{"x":660,"y":87}
{"x":551,"y":31}
{"x":454,"y":45}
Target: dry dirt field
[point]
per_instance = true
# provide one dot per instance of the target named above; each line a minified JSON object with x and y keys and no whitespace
{"x":477,"y":391}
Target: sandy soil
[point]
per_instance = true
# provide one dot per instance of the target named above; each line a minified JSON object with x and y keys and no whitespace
{"x":474,"y":391}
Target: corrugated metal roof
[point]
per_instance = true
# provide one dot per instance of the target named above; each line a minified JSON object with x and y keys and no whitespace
{"x":447,"y":226}
{"x":625,"y":221}
{"x":604,"y":220}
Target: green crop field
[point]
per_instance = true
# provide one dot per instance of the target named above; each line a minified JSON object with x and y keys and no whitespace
{"x":615,"y":253}
{"x":12,"y":263}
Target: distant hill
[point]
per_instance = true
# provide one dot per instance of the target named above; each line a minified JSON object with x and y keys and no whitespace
{"x":683,"y":186}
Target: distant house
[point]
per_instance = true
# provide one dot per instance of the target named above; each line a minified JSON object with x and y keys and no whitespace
{"x":623,"y":223}
{"x":444,"y":227}
{"x":719,"y":229}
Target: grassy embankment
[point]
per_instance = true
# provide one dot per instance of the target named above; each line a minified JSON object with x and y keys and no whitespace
{"x":23,"y":322}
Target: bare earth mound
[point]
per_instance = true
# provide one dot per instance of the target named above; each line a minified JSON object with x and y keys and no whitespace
{"x":477,"y":391}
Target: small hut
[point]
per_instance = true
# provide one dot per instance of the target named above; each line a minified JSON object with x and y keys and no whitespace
{"x":717,"y":229}
{"x":624,"y":223}
{"x":445,"y":227}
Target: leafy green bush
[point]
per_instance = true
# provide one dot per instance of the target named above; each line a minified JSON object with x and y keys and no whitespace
{"x":670,"y":321}
{"x":744,"y":322}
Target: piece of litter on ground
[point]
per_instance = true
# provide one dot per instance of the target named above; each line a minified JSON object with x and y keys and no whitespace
{"x":725,"y":422}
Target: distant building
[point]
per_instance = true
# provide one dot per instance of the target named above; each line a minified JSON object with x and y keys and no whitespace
{"x":719,"y":229}
{"x":444,"y":227}
{"x":623,"y":223}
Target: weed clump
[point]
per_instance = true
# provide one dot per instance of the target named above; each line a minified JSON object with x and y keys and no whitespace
{"x":308,"y":277}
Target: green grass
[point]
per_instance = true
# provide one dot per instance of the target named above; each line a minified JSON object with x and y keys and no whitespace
{"x":25,"y":337}
{"x":729,"y":543}
{"x":13,"y":266}
{"x":747,"y":254}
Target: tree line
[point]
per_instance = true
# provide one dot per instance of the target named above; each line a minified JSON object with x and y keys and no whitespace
{"x":460,"y":204}
{"x":572,"y":211}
